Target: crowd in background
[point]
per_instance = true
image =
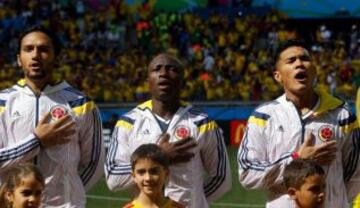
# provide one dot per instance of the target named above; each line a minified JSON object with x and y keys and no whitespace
{"x":107,"y":48}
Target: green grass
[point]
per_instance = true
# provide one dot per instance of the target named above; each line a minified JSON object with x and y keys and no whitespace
{"x":236,"y":197}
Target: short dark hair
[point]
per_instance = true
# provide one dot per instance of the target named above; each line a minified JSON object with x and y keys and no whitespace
{"x":298,"y":170}
{"x":152,"y":152}
{"x":40,"y":28}
{"x":285,"y":45}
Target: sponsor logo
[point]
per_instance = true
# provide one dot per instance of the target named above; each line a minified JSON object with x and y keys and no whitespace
{"x":326,"y":133}
{"x":58,"y":112}
{"x":181,"y":132}
{"x":16,"y":114}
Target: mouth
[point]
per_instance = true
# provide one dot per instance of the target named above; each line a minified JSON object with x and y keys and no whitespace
{"x":301,"y":76}
{"x":36,"y":65}
{"x":164,"y":84}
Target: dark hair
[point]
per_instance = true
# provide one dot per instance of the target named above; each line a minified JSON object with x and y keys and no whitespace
{"x":285,"y":45}
{"x":13,"y":177}
{"x":177,"y":61}
{"x":152,"y":152}
{"x":298,"y":170}
{"x":40,"y":28}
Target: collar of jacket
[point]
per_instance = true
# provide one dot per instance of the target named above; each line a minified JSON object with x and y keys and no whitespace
{"x":327,"y":102}
{"x":48,"y":89}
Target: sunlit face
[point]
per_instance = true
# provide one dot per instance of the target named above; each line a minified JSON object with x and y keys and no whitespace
{"x":150,"y":177}
{"x":294,"y":71}
{"x":311,"y":194}
{"x":165,"y":77}
{"x":27,"y":194}
{"x":36,"y":56}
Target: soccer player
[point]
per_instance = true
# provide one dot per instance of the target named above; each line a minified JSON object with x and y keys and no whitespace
{"x":302,"y":123}
{"x":173,"y":125}
{"x":71,"y":162}
{"x":304,"y":181}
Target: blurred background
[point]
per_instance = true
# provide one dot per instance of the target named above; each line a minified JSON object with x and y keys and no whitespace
{"x":226,"y":45}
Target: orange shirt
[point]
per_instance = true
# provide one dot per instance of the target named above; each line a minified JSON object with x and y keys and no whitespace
{"x":169,"y":204}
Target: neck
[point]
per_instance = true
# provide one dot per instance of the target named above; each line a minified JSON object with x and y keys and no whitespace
{"x":152,"y":201}
{"x":303,"y":102}
{"x":36,"y":86}
{"x":165,"y":110}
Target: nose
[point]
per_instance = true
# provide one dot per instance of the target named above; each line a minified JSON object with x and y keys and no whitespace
{"x":299,"y":63}
{"x":35,"y":53}
{"x":147,"y":176}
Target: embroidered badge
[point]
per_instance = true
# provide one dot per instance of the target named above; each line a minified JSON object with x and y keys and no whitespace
{"x":326,"y":133}
{"x":181,"y":132}
{"x":58,"y":112}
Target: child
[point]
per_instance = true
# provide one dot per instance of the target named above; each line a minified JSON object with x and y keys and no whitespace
{"x":150,"y":171}
{"x":305,"y":183}
{"x":22,"y":187}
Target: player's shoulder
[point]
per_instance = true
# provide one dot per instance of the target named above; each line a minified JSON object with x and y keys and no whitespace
{"x":5,"y":94}
{"x":198,"y":116}
{"x":267,"y":107}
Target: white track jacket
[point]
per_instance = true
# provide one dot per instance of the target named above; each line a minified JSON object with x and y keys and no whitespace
{"x":187,"y":183}
{"x":69,"y":169}
{"x":276,"y":129}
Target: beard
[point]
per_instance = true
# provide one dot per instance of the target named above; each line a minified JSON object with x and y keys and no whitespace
{"x":36,"y":75}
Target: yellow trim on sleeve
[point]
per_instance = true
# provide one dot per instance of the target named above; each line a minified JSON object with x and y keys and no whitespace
{"x":125,"y":124}
{"x":349,"y":127}
{"x":2,"y":109}
{"x":257,"y":121}
{"x":207,"y":127}
{"x":86,"y":107}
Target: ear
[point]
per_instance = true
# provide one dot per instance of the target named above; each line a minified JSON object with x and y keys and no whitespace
{"x":18,"y":60}
{"x":292,"y":193}
{"x":277,"y":76}
{"x":9,"y":196}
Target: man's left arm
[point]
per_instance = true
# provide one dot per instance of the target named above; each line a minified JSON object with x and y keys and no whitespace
{"x":215,"y":160}
{"x":350,"y":154}
{"x":91,"y":147}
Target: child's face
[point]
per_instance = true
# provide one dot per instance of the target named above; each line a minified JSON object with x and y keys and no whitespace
{"x":27,"y":194}
{"x":311,"y":194}
{"x":150,"y":177}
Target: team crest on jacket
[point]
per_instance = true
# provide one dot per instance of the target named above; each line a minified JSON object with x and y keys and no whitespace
{"x":181,"y":132}
{"x":58,"y":112}
{"x":326,"y":133}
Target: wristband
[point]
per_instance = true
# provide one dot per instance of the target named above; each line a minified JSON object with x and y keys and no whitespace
{"x":295,"y":155}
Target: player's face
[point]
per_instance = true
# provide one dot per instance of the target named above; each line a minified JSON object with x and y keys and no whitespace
{"x":165,"y":77}
{"x":27,"y":194}
{"x":312,"y":193}
{"x":36,"y":56}
{"x":295,"y":71}
{"x":150,"y":177}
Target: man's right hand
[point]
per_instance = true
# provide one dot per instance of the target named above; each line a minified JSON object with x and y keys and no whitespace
{"x":178,"y":152}
{"x":52,"y":134}
{"x":322,"y":154}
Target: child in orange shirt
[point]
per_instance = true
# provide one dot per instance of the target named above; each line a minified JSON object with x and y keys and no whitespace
{"x":150,"y":171}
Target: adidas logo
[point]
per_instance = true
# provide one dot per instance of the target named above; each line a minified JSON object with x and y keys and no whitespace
{"x":146,"y":131}
{"x":16,"y":114}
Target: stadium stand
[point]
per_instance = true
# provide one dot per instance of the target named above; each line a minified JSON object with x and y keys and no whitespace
{"x":228,"y":56}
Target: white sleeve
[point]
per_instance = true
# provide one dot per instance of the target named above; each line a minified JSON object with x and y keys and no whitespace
{"x":216,"y":161}
{"x":92,"y":149}
{"x":350,"y":155}
{"x":23,"y":151}
{"x":255,"y":169}
{"x":117,"y":166}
